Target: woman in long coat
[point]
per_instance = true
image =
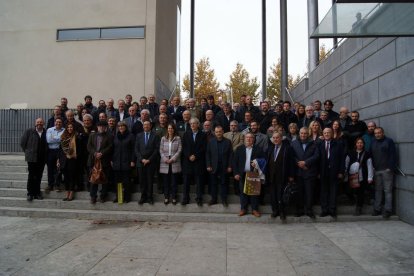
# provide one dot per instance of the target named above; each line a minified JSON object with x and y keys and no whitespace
{"x":123,"y":159}
{"x":170,"y":165}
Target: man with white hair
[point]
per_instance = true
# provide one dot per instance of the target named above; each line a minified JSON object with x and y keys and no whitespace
{"x":194,"y":149}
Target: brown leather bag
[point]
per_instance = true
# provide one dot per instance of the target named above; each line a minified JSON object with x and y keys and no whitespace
{"x":97,"y":175}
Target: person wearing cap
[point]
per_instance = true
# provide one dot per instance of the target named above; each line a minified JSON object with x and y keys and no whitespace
{"x":100,"y":146}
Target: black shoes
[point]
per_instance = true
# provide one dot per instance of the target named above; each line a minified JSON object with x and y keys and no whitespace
{"x":358,"y":211}
{"x":386,"y":215}
{"x":376,"y":213}
{"x":150,"y":201}
{"x":29,"y":198}
{"x":38,"y":197}
{"x":93,"y":200}
{"x":275,"y":214}
{"x":212,"y":202}
{"x":166,"y":201}
{"x":199,"y":202}
{"x":225,"y":204}
{"x":324,"y":214}
{"x":141,"y":201}
{"x":185,"y":202}
{"x":311,"y":215}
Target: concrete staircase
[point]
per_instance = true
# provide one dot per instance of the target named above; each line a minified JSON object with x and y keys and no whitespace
{"x":13,"y":177}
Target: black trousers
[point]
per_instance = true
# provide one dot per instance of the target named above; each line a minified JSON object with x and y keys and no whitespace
{"x":146,"y":174}
{"x":305,"y":195}
{"x":35,"y":177}
{"x":71,"y":172}
{"x":276,"y":193}
{"x":360,"y":193}
{"x":329,"y":192}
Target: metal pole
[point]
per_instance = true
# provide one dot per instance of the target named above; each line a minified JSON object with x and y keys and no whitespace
{"x":313,"y":44}
{"x":334,"y":24}
{"x":283,"y":48}
{"x":264,"y":64}
{"x":192,"y":51}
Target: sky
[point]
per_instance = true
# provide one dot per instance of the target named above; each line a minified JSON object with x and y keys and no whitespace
{"x":229,"y":32}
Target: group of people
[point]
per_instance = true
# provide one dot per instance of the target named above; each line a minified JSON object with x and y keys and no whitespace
{"x":317,"y":151}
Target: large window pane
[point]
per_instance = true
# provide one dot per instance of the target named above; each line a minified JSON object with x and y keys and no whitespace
{"x":78,"y":34}
{"x":129,"y":32}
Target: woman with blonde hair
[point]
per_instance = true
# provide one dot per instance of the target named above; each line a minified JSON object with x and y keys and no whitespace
{"x":315,"y":131}
{"x":68,"y":161}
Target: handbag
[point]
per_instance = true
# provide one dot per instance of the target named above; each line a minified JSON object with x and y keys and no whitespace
{"x":289,"y":192}
{"x":97,"y":175}
{"x":354,"y":181}
{"x":353,"y":178}
{"x":252,"y":184}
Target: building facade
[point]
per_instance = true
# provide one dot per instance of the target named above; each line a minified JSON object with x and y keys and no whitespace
{"x":70,"y":48}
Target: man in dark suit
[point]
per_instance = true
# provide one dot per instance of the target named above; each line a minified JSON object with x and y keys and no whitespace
{"x":184,"y":125}
{"x":100,"y":147}
{"x":194,"y":161}
{"x":279,"y":172}
{"x":306,"y":158}
{"x":34,"y":145}
{"x":225,"y":116}
{"x":331,"y":170}
{"x":242,"y":163}
{"x":147,"y":147}
{"x":133,"y":123}
{"x":218,"y":158}
{"x":176,"y":110}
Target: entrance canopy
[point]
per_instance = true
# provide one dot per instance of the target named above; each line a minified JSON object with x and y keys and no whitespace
{"x":346,"y":19}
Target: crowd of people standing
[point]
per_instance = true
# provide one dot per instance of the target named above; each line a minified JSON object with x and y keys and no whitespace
{"x":319,"y":152}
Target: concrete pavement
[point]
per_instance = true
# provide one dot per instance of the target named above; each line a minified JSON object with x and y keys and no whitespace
{"x":46,"y":246}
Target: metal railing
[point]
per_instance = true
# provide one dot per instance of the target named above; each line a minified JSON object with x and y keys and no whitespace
{"x":13,"y":122}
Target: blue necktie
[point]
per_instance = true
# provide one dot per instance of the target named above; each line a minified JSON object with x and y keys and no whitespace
{"x":146,"y":138}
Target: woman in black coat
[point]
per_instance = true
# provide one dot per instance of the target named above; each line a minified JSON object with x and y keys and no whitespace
{"x":123,"y":159}
{"x":70,"y":151}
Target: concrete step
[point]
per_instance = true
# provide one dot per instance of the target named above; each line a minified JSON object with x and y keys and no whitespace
{"x":22,"y":184}
{"x":168,"y":216}
{"x":17,"y":176}
{"x":13,"y":162}
{"x":13,"y":192}
{"x":159,"y":206}
{"x":19,"y":184}
{"x":17,"y":168}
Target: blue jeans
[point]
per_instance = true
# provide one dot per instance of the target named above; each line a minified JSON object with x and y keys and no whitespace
{"x":383,"y":183}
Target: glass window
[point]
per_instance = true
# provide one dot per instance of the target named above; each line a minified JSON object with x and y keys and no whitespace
{"x":128,"y":32}
{"x":78,"y":34}
{"x":100,"y":33}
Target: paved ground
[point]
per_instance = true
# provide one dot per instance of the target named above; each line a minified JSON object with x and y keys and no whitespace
{"x":31,"y":246}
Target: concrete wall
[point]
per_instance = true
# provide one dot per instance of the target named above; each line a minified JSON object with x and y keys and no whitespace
{"x":37,"y":70}
{"x":375,"y":77}
{"x":166,"y":44}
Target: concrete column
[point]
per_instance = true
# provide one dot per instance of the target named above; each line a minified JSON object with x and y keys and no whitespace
{"x":313,"y":44}
{"x":192,"y":50}
{"x":283,"y":48}
{"x":334,"y":24}
{"x":264,"y":64}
